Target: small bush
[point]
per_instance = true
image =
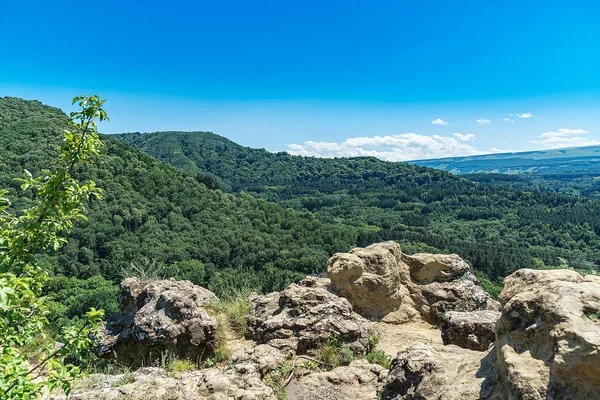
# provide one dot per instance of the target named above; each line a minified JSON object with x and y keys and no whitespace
{"x":124,"y":380}
{"x":276,"y":380}
{"x":332,"y":354}
{"x":234,"y":307}
{"x":379,"y":357}
{"x":177,"y":365}
{"x":594,"y":316}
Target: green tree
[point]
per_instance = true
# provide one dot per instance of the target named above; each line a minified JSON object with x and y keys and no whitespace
{"x":58,"y":201}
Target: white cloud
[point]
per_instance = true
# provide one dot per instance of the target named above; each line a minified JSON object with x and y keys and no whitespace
{"x":565,"y":138}
{"x":483,"y":121}
{"x":497,"y":150}
{"x":526,"y":115}
{"x":465,"y":138}
{"x":507,"y":119}
{"x":439,"y":121}
{"x":562,"y":132}
{"x":400,"y":147}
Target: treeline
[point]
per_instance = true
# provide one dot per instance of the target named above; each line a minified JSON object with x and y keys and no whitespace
{"x":574,"y":183}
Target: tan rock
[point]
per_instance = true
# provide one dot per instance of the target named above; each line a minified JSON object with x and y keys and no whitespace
{"x":359,"y":380}
{"x":547,"y":347}
{"x":305,"y":315}
{"x":549,"y":335}
{"x":443,"y":372}
{"x":382,"y":284}
{"x":242,"y":382}
{"x":396,"y":337}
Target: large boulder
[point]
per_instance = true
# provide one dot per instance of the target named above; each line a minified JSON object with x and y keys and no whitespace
{"x":240,"y":382}
{"x":547,"y":347}
{"x":383,"y":284}
{"x":475,"y":330}
{"x":549,"y":335}
{"x":304,"y":316}
{"x":359,"y":380}
{"x":443,"y":372}
{"x":158,"y":318}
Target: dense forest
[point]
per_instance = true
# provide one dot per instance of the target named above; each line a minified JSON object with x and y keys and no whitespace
{"x":155,"y":219}
{"x":496,"y":227}
{"x":198,"y":206}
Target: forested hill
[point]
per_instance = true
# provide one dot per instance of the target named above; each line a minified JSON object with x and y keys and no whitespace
{"x":161,"y":220}
{"x":497,"y":228}
{"x":276,"y":217}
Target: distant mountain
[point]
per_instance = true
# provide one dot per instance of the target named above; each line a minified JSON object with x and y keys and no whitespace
{"x":573,"y":171}
{"x":576,"y":159}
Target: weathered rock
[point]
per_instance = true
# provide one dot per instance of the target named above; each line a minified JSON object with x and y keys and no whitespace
{"x":241,"y":382}
{"x":156,"y":318}
{"x":262,"y":308}
{"x":396,"y":337}
{"x":475,"y":330}
{"x":383,"y":284}
{"x":265,"y":357}
{"x":359,"y":380}
{"x":549,"y":335}
{"x":547,"y":347}
{"x":442,"y":372}
{"x":305,"y":315}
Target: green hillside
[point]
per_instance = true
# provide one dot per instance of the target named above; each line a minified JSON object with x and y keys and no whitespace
{"x":157,"y":218}
{"x":231,"y":217}
{"x":499,"y":229}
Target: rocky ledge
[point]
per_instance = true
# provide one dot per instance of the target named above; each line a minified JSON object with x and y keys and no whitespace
{"x":541,"y":341}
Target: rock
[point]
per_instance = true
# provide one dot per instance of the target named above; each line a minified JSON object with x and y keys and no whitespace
{"x":305,"y":315}
{"x":442,"y":372}
{"x":475,"y":330}
{"x":242,"y":382}
{"x":549,"y":335}
{"x":266,"y":358}
{"x":359,"y":380}
{"x":396,"y":337}
{"x":383,"y":284}
{"x":547,"y":347}
{"x":262,"y":308}
{"x":156,"y":318}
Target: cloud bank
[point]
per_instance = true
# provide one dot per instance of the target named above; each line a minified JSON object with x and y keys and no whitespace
{"x":483,"y":121}
{"x":565,"y":138}
{"x":465,"y":138}
{"x":401,"y":147}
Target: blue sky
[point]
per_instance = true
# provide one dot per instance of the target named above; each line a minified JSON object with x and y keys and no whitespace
{"x":328,"y":78}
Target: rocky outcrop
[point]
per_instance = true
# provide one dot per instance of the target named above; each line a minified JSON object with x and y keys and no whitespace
{"x":475,"y":330}
{"x":442,"y":372}
{"x":547,"y":347}
{"x":266,"y":358}
{"x":305,"y":315}
{"x":383,"y":284}
{"x":159,"y":317}
{"x":359,"y":380}
{"x":241,"y":382}
{"x":549,"y":335}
